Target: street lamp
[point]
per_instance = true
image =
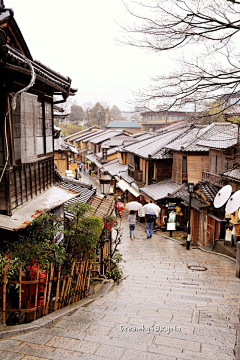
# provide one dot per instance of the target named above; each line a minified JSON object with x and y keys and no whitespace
{"x":105,"y":183}
{"x":190,"y":190}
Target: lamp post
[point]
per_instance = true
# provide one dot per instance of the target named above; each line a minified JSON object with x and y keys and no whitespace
{"x":190,"y":190}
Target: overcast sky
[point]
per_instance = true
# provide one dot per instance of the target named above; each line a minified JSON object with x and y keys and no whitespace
{"x":77,"y":39}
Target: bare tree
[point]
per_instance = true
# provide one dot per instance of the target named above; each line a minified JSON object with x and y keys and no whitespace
{"x":209,"y":28}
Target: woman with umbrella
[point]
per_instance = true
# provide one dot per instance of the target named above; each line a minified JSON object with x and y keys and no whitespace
{"x":132,"y":224}
{"x":132,"y":206}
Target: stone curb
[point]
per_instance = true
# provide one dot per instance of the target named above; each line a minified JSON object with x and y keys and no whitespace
{"x":48,"y":320}
{"x":197,"y":247}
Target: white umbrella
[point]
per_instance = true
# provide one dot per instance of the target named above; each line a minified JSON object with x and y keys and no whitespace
{"x":133,"y":205}
{"x":151,"y":209}
{"x":233,"y":203}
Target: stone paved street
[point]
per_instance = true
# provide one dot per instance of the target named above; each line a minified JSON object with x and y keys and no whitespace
{"x":162,"y":310}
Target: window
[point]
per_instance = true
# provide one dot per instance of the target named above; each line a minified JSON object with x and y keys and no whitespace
{"x":137,"y":162}
{"x":151,"y":170}
{"x":17,"y":131}
{"x":24,"y":119}
{"x":48,"y":127}
{"x":184,"y":169}
{"x":40,"y":130}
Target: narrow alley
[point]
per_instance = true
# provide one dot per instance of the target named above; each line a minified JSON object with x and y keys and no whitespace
{"x":165,"y":308}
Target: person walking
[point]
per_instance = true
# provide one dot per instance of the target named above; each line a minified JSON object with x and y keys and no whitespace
{"x":132,"y":224}
{"x":150,"y":219}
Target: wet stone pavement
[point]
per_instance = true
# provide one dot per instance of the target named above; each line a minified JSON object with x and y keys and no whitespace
{"x":162,"y":310}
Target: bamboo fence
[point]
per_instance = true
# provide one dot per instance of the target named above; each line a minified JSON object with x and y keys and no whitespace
{"x":42,"y":292}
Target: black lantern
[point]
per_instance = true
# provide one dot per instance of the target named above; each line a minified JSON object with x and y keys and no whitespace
{"x":190,"y":187}
{"x":190,"y":190}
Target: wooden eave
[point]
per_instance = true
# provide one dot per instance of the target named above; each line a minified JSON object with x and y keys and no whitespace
{"x":14,"y":34}
{"x":44,"y":75}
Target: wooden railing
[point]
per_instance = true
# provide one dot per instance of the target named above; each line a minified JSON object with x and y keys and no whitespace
{"x":37,"y":292}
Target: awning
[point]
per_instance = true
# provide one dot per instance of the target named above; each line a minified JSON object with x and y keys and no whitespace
{"x":123,"y":185}
{"x":133,"y":191}
{"x":50,"y":199}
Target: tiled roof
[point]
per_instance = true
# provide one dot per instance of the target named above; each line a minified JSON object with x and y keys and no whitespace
{"x":214,"y":136}
{"x":124,"y":124}
{"x":94,"y":135}
{"x":127,"y":178}
{"x":176,"y":125}
{"x":209,"y":190}
{"x":85,"y":192}
{"x":101,"y":206}
{"x":114,"y":167}
{"x":185,"y":138}
{"x":105,"y":136}
{"x":195,"y":203}
{"x":61,"y":145}
{"x":78,"y":133}
{"x":109,"y":152}
{"x":43,"y":73}
{"x":183,"y":194}
{"x":94,"y":160}
{"x":160,"y":190}
{"x":85,"y":137}
{"x":232,"y":174}
{"x":154,"y":146}
{"x":118,"y":140}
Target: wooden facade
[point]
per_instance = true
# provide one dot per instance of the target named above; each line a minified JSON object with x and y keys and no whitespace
{"x":27,"y":89}
{"x":195,"y":164}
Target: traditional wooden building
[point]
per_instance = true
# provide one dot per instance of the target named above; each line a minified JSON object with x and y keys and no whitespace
{"x":27,"y":92}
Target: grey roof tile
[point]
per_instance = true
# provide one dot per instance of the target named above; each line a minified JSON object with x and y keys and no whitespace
{"x":160,"y":190}
{"x":79,"y":132}
{"x":182,"y":193}
{"x":114,"y":167}
{"x":232,"y":174}
{"x":109,"y":152}
{"x":215,"y":136}
{"x":61,"y":145}
{"x":209,"y":190}
{"x":105,"y":136}
{"x":155,"y":146}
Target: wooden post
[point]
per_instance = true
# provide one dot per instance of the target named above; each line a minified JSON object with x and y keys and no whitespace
{"x":84,"y":278}
{"x":20,"y":294}
{"x":45,"y":293}
{"x":49,"y":289}
{"x":80,"y":281}
{"x":77,"y":273}
{"x":57,"y":290}
{"x":69,"y":286}
{"x":28,"y":299}
{"x":36,"y":295}
{"x":88,"y":279}
{"x":4,"y":295}
{"x":62,"y":291}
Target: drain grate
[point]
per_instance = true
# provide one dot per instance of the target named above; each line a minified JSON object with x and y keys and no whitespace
{"x":197,"y":267}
